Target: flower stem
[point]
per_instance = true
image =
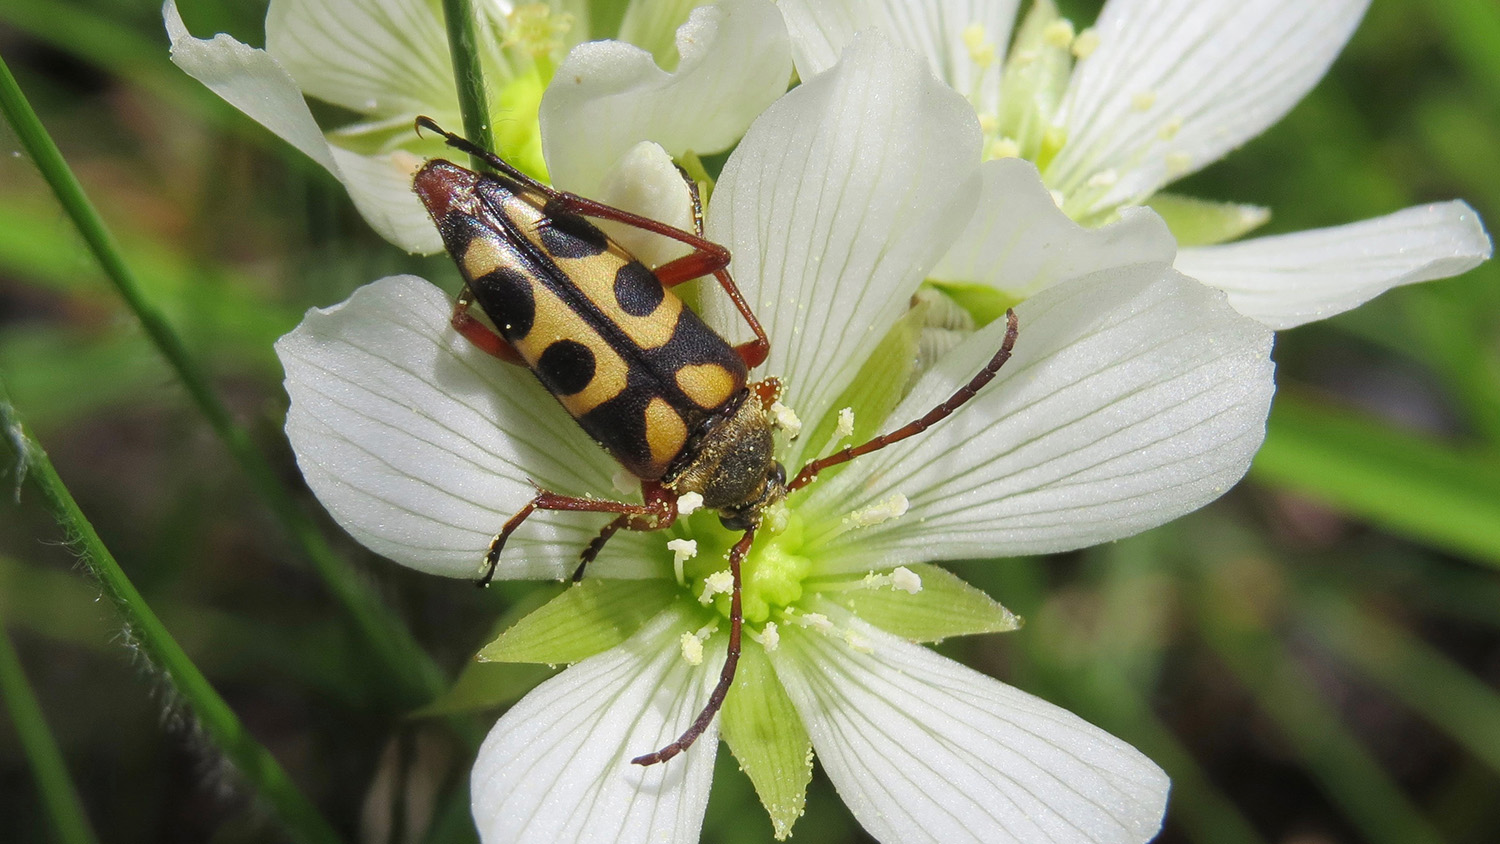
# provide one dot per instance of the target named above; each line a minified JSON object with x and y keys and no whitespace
{"x":468,"y":74}
{"x":146,"y":632}
{"x":70,"y":822}
{"x":407,"y":666}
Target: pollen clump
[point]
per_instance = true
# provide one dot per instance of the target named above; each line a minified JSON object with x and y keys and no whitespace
{"x":881,"y":511}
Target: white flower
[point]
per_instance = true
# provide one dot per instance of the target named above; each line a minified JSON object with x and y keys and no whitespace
{"x":388,"y":61}
{"x":1134,"y":395}
{"x":1155,"y":90}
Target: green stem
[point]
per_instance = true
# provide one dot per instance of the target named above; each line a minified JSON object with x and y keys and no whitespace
{"x":147,"y":633}
{"x":58,"y":795}
{"x":405,"y":664}
{"x":468,"y":73}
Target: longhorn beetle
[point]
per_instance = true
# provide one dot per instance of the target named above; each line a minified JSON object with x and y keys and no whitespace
{"x":639,"y":371}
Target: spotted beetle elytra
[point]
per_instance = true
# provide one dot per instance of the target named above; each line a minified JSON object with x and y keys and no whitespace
{"x":641,"y":373}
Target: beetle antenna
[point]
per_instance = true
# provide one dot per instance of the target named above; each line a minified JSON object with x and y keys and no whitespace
{"x":810,"y":472}
{"x":726,"y":674}
{"x":462,"y":144}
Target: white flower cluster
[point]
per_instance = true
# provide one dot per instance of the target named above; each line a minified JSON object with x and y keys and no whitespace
{"x":1138,"y":390}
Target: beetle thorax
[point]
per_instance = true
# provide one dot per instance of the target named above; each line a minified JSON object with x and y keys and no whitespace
{"x":732,"y":464}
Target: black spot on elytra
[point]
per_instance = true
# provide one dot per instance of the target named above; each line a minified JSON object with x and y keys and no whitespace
{"x":571,"y":236}
{"x":637,"y":289}
{"x":620,"y":426}
{"x":566,"y":367}
{"x":507,"y":299}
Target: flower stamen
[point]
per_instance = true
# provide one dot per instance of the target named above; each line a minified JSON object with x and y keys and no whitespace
{"x":786,"y":419}
{"x":719,"y":583}
{"x":682,"y":551}
{"x":881,"y":511}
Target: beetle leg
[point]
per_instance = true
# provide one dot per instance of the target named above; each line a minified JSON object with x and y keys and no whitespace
{"x":726,"y":674}
{"x":597,"y":544}
{"x":932,"y":417}
{"x":663,"y":506}
{"x":654,"y":513}
{"x":480,"y":334}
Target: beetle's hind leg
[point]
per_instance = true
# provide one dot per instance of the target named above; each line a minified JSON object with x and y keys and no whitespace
{"x":656,"y":513}
{"x":478,"y":333}
{"x":597,"y":544}
{"x":663,"y":507}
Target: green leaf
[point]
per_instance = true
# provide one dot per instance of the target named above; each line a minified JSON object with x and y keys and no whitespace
{"x":588,"y":618}
{"x":765,"y":734}
{"x":946,"y":606}
{"x":1404,"y":482}
{"x":1202,"y":222}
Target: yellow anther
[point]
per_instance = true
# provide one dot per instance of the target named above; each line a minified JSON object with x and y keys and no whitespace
{"x":1086,"y":43}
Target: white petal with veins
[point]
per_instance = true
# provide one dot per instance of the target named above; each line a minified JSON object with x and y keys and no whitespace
{"x":1134,"y":395}
{"x":923,"y":749}
{"x":837,"y":202}
{"x":556,"y":767}
{"x":421,"y":446}
{"x":1290,"y":279}
{"x":1227,"y":69}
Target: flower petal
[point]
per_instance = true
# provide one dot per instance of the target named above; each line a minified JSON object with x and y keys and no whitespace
{"x":608,"y":95}
{"x":1175,"y":84}
{"x":256,"y":84}
{"x":380,"y":186}
{"x":924,"y":749}
{"x":376,"y":57}
{"x":646,"y":182}
{"x":1287,"y":280}
{"x":1135,"y":395}
{"x":837,"y":202}
{"x":821,"y":29}
{"x":251,"y":81}
{"x":556,"y":767}
{"x":1020,"y":241}
{"x":421,"y":446}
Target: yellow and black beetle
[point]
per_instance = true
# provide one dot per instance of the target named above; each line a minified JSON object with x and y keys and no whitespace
{"x":642,"y":374}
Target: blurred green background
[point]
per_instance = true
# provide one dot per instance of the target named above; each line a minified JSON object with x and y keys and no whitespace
{"x":1314,"y":658}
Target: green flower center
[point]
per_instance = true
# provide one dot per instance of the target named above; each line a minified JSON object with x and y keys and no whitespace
{"x":771,"y":575}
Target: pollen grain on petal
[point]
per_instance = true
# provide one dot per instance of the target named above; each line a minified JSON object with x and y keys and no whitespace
{"x":881,"y":511}
{"x":906,"y":580}
{"x":1169,"y":130}
{"x":1143,"y":100}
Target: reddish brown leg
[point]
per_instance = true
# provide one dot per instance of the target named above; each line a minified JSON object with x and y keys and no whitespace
{"x":597,"y":544}
{"x":480,"y":334}
{"x":707,"y":257}
{"x":657,"y":512}
{"x":932,"y":417}
{"x":726,"y":674}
